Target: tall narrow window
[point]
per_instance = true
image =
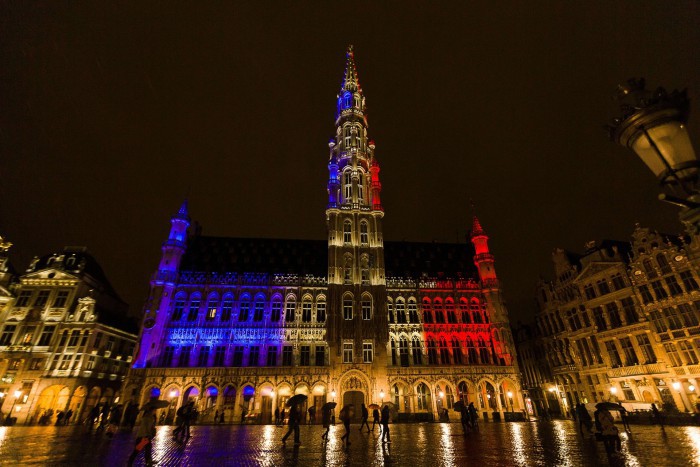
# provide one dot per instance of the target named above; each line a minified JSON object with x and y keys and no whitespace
{"x":289,"y":311}
{"x":347,"y":308}
{"x":178,"y":308}
{"x":194,"y":308}
{"x":61,"y":299}
{"x":663,"y":264}
{"x":238,"y":356}
{"x":412,"y":311}
{"x":347,"y":186}
{"x":259,"y":310}
{"x":203,"y":356}
{"x":347,"y":352}
{"x":366,"y":309}
{"x":212,"y":308}
{"x":347,"y":232}
{"x":306,"y":311}
{"x":646,"y":348}
{"x":320,"y":355}
{"x":287,"y":355}
{"x":254,"y":356}
{"x":185,"y":353}
{"x":272,"y":356}
{"x":367,"y":352}
{"x":416,"y":351}
{"x":364,"y":235}
{"x":8,"y":333}
{"x":226,"y":308}
{"x":305,"y":355}
{"x":403,"y":351}
{"x":244,"y":310}
{"x":321,"y":312}
{"x":276,"y":312}
{"x":400,"y":311}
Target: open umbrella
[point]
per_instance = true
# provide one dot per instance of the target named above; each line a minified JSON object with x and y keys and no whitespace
{"x":373,"y":406}
{"x":298,"y":399}
{"x":459,"y":406}
{"x":155,"y":404}
{"x":608,"y":406}
{"x":329,"y":406}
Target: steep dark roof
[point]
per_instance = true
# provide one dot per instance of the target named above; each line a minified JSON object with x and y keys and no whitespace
{"x":275,"y":256}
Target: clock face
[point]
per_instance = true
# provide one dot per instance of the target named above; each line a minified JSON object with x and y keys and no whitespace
{"x":149,"y":323}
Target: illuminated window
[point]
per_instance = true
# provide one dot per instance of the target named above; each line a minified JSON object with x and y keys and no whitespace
{"x":347,"y":232}
{"x":361,"y":187}
{"x":212,"y":307}
{"x":347,"y":185}
{"x":364,"y":236}
{"x":423,"y":396}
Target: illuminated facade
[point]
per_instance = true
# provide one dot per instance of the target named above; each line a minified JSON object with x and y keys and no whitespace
{"x":246,"y":323}
{"x":621,"y":322}
{"x":65,"y":340}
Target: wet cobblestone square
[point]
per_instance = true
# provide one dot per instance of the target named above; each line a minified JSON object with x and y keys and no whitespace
{"x":430,"y":444}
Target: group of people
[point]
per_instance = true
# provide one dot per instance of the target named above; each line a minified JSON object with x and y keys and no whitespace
{"x":469,"y":417}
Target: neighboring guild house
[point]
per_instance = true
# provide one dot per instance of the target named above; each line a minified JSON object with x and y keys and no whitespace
{"x":65,"y":339}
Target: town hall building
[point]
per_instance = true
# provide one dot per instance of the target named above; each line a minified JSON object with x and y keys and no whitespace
{"x":241,"y":324}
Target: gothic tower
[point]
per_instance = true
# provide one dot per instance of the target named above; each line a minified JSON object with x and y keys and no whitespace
{"x":502,"y":339}
{"x":162,"y":286}
{"x":357,"y":324}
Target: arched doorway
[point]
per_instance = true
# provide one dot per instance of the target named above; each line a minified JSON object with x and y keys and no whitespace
{"x":646,"y":395}
{"x":356,"y":398}
{"x":77,"y":402}
{"x":49,"y":403}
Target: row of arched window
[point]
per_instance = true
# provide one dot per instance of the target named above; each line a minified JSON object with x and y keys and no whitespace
{"x":439,"y":352}
{"x":347,"y":232}
{"x":247,"y":309}
{"x":437,"y":311}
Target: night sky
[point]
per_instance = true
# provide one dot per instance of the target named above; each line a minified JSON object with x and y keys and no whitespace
{"x":111,"y":113}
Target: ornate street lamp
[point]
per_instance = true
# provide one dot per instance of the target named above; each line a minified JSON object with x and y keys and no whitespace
{"x":510,"y":397}
{"x":653,"y":125}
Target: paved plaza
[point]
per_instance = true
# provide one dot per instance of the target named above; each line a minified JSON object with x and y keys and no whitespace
{"x":429,"y":444}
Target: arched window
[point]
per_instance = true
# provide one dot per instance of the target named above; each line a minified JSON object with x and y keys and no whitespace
{"x":306,"y":310}
{"x":226,"y":308}
{"x":390,"y":310}
{"x":450,"y":309}
{"x":347,"y":185}
{"x":364,"y":235}
{"x":663,"y":264}
{"x":412,"y":311}
{"x":392,"y":350}
{"x":471,"y":351}
{"x":403,"y":351}
{"x":193,"y":310}
{"x":476,"y":312}
{"x":423,"y":396}
{"x":244,"y":309}
{"x":400,"y":311}
{"x":456,"y":351}
{"x":347,"y":308}
{"x":366,"y":308}
{"x":276,"y":313}
{"x":432,"y":352}
{"x":321,"y":309}
{"x":361,"y":183}
{"x":179,"y":306}
{"x":427,"y":313}
{"x":259,"y":308}
{"x":290,"y":309}
{"x":347,"y":232}
{"x":395,"y":392}
{"x":437,"y":308}
{"x":464,"y":308}
{"x":212,"y":307}
{"x":347,"y":100}
{"x":416,"y":351}
{"x":444,"y":352}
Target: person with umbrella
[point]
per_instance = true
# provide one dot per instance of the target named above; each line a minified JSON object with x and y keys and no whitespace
{"x":609,"y":432}
{"x":326,"y":415}
{"x":146,"y":431}
{"x":294,"y":417}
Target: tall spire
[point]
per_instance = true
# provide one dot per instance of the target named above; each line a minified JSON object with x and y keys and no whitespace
{"x":351,"y":81}
{"x":476,"y":227}
{"x":183,"y":212}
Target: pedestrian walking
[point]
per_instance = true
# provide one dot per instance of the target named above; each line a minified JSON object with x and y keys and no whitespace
{"x":657,"y":417}
{"x":244,"y":412}
{"x":132,"y":411}
{"x":312,"y":415}
{"x":283,"y":414}
{"x":216,"y":416}
{"x":222,"y":418}
{"x":584,"y":419}
{"x":59,"y":418}
{"x":294,"y":421}
{"x":345,"y":417}
{"x":610,"y":433}
{"x":625,"y":419}
{"x":185,"y":415}
{"x":473,"y":416}
{"x":375,"y":417}
{"x":464,"y":419}
{"x":277,"y":416}
{"x":145,"y":433}
{"x":66,"y":419}
{"x":365,"y":416}
{"x":92,"y":417}
{"x":385,"y":425}
{"x":326,"y":414}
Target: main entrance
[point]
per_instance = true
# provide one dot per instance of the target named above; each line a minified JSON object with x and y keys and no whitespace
{"x":356,"y":398}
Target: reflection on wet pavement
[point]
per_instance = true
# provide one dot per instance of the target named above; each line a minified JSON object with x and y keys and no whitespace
{"x":554,"y":443}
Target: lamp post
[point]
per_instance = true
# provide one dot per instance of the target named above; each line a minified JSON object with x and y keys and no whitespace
{"x":613,"y":391}
{"x":17,"y":395}
{"x":653,"y":125}
{"x":381,"y":395}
